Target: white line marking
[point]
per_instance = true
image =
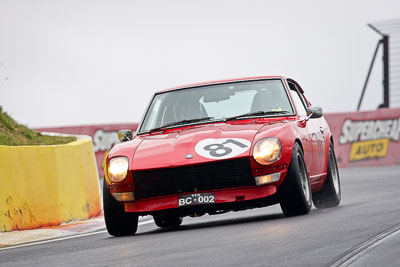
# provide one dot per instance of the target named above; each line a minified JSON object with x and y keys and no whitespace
{"x":365,"y":247}
{"x":66,"y":237}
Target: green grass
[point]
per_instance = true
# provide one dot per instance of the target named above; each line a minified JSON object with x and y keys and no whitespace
{"x":14,"y":134}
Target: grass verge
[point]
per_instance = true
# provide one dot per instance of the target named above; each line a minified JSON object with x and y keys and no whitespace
{"x":14,"y":134}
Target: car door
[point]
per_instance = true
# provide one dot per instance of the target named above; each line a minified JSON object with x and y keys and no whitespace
{"x":311,"y":133}
{"x":321,"y":135}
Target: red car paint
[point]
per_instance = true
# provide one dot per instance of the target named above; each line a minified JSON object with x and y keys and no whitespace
{"x":167,"y":149}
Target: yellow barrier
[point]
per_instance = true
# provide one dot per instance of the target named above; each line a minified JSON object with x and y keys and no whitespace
{"x":47,"y":185}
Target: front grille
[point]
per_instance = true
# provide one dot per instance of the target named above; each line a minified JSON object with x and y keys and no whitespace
{"x":208,"y":176}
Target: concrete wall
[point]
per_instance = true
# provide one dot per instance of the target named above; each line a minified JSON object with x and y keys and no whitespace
{"x":104,"y":136}
{"x":47,"y":185}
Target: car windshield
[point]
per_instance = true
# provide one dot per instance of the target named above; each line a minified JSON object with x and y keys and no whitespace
{"x":218,"y":102}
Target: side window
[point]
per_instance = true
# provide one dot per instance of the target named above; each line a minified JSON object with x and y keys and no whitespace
{"x":301,"y":109}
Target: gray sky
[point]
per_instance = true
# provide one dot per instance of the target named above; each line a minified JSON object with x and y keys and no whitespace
{"x":89,"y":62}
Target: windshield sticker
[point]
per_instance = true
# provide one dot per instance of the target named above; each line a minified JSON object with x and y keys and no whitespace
{"x":222,"y":148}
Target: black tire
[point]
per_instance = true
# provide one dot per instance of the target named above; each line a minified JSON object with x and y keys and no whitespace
{"x":118,"y":222}
{"x":165,"y":221}
{"x":331,"y":194}
{"x":295,"y":191}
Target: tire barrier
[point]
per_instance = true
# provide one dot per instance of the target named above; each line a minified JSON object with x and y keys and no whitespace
{"x":47,"y":185}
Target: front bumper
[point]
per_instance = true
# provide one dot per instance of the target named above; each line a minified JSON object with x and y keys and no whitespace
{"x":236,"y":197}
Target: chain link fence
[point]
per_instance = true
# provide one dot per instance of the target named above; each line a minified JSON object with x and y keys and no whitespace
{"x":391,"y":28}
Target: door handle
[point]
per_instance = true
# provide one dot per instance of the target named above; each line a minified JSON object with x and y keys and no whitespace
{"x":321,"y":130}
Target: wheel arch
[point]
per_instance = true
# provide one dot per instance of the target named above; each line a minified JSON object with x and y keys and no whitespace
{"x":327,"y":146}
{"x":297,"y":140}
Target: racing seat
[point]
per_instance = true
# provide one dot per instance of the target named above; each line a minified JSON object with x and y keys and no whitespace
{"x":188,"y":111}
{"x":263,"y":101}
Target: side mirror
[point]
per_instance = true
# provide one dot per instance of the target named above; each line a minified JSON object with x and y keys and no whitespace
{"x":125,"y":135}
{"x":314,"y":112}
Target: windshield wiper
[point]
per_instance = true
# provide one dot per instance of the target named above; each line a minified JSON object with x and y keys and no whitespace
{"x":179,"y":123}
{"x":256,"y":114}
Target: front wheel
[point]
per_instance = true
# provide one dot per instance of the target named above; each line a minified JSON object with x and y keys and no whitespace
{"x":295,"y":191}
{"x":330,"y":194}
{"x":118,"y":222}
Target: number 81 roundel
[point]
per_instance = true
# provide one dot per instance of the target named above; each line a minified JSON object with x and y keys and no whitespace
{"x":222,"y":148}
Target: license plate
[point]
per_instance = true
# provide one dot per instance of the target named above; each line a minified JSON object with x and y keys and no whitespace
{"x":193,"y":199}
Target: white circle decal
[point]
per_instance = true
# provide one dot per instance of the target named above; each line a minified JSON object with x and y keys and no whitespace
{"x":222,"y":148}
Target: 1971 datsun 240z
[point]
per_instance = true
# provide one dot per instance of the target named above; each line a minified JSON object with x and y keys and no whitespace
{"x":221,"y":146}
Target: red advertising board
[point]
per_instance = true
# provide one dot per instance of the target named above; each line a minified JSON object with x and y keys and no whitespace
{"x":104,"y":137}
{"x":368,"y":138}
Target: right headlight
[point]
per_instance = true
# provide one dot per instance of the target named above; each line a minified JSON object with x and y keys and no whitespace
{"x":118,"y":169}
{"x":267,"y":150}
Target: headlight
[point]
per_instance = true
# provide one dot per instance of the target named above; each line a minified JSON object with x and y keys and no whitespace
{"x":118,"y":169}
{"x":267,"y":150}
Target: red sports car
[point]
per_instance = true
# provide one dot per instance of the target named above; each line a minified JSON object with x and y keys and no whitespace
{"x":221,"y":146}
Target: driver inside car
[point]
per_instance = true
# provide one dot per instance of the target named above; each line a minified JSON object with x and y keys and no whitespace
{"x":185,"y":110}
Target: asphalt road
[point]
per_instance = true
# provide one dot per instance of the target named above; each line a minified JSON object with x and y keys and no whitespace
{"x":364,"y":230}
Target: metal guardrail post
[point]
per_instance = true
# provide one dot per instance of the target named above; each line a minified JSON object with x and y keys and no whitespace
{"x":385,"y":42}
{"x":385,"y":71}
{"x":369,"y":73}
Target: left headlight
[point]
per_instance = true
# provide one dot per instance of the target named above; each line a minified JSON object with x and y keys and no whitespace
{"x":118,"y":169}
{"x":267,"y":150}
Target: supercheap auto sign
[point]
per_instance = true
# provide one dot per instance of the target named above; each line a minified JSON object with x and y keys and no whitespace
{"x":366,"y":138}
{"x":369,"y":139}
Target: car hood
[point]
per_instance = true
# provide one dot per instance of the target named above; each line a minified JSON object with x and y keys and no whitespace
{"x":197,"y":144}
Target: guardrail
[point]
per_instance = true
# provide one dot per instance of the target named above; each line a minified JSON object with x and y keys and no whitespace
{"x":47,"y":185}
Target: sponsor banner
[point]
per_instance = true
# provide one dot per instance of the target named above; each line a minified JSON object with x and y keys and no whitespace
{"x":369,"y":149}
{"x":104,"y":137}
{"x":367,"y":138}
